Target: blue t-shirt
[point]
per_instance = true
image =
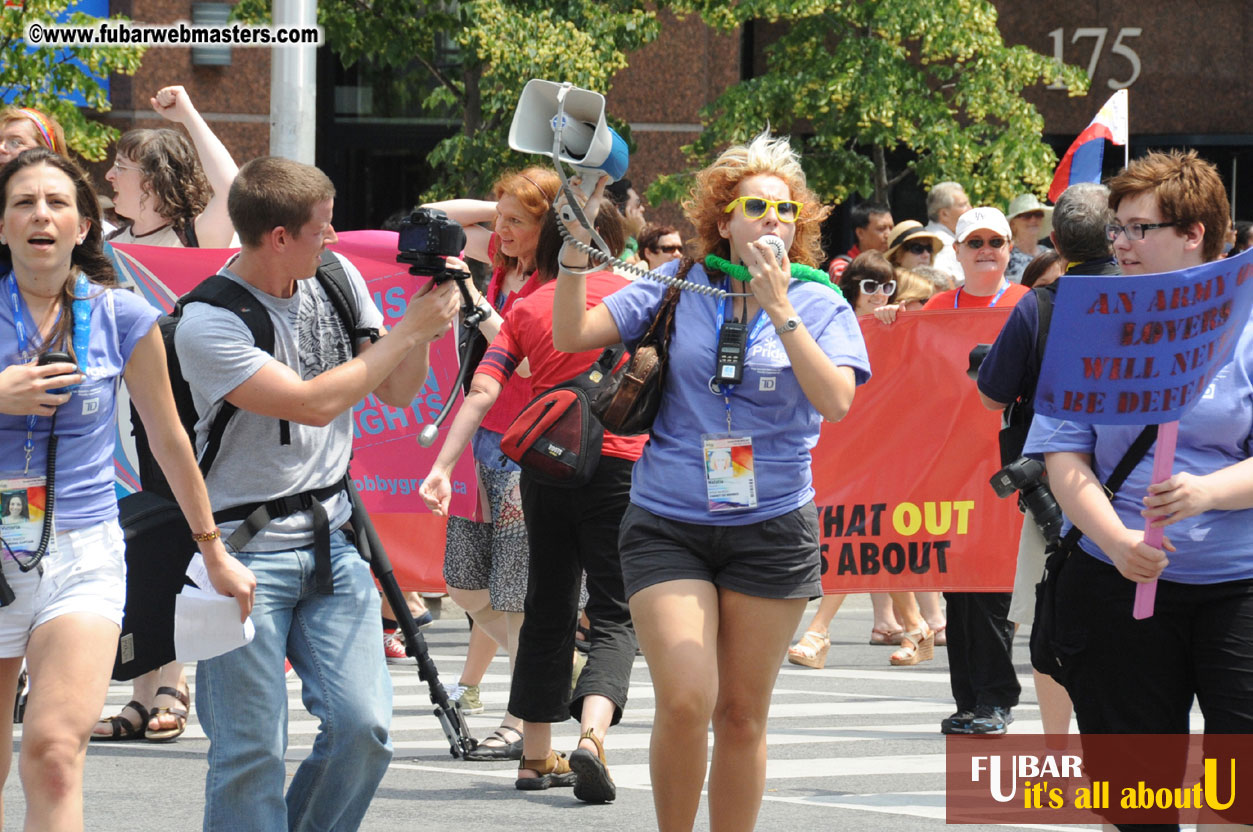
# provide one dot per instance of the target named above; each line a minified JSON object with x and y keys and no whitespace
{"x":1009,"y":368}
{"x":1212,"y":547}
{"x":84,"y":478}
{"x":669,"y":479}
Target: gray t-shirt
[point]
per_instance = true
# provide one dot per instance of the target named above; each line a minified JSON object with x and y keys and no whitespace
{"x":217,"y":355}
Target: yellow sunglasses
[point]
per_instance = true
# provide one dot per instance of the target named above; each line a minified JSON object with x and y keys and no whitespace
{"x":755,"y":207}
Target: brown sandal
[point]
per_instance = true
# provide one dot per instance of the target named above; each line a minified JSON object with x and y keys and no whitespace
{"x":594,"y":785}
{"x":123,"y":728}
{"x":552,"y":771}
{"x":179,"y":714}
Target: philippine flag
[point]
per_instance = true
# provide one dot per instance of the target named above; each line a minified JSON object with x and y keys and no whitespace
{"x":1082,"y":162}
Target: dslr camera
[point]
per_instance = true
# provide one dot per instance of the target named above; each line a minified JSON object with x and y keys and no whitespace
{"x":1027,"y":477}
{"x":426,"y":238}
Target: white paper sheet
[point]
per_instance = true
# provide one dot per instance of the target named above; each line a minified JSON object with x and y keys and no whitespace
{"x":206,"y":624}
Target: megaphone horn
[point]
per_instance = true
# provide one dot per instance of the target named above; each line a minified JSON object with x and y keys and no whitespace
{"x":588,"y":143}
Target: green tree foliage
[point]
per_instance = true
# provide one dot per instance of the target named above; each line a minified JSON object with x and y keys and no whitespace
{"x":44,"y":78}
{"x":473,"y":58}
{"x":858,"y":80}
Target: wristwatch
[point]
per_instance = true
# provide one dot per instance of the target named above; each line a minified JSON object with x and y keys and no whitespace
{"x":790,"y":325}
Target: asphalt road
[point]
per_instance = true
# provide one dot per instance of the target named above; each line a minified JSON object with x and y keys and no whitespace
{"x":854,"y":745}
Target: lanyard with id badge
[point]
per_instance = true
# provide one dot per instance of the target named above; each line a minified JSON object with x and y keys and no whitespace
{"x":27,"y":502}
{"x":730,"y":481}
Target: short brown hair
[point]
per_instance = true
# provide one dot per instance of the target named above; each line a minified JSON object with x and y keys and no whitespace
{"x":548,"y":248}
{"x":651,"y":236}
{"x":716,"y":188}
{"x":1188,"y":190}
{"x":273,"y":192}
{"x":869,"y":265}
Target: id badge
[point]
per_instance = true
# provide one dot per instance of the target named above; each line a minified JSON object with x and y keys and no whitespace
{"x":730,"y":481}
{"x":22,"y":503}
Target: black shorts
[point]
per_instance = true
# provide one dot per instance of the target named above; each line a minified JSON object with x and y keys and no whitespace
{"x":775,"y":558}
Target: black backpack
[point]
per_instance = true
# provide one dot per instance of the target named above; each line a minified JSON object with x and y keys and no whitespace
{"x":225,"y":293}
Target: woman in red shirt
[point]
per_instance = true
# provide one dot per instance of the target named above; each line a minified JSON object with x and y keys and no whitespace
{"x":570,"y":531}
{"x":485,"y":564}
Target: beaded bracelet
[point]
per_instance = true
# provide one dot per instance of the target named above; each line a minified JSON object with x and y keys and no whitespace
{"x":205,"y":537}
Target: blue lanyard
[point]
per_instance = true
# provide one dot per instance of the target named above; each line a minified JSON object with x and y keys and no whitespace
{"x":15,"y":298}
{"x":995,"y":298}
{"x":759,"y":324}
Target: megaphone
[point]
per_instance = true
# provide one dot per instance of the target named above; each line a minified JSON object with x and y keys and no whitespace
{"x":547,"y":109}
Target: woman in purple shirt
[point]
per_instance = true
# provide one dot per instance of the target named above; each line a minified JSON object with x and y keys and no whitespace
{"x":64,"y":617}
{"x":719,"y":546}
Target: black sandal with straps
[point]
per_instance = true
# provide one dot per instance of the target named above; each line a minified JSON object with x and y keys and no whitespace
{"x":503,"y":749}
{"x":123,"y":728}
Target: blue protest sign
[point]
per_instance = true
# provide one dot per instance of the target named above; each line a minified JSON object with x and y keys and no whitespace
{"x":1141,"y":350}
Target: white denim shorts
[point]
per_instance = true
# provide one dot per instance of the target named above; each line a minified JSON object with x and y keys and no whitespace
{"x":86,"y":574}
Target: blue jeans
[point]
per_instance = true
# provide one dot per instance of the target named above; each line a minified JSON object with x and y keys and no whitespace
{"x":335,"y":644}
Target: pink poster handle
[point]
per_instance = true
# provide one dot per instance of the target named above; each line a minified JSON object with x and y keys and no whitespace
{"x":1163,"y":462}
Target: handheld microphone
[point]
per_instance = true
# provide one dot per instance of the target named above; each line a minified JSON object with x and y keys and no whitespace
{"x":777,"y":246}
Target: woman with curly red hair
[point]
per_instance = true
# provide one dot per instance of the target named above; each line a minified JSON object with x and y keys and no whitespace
{"x":719,"y":546}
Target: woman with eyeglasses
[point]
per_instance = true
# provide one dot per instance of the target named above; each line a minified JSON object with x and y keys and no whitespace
{"x":170,"y":191}
{"x":659,"y":244}
{"x":1129,"y":676}
{"x":1029,"y":222}
{"x":911,"y":245}
{"x":717,"y":568}
{"x":169,"y":200}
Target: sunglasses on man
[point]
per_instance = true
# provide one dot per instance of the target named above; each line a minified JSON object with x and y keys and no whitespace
{"x":974,"y":243}
{"x":667,"y":249}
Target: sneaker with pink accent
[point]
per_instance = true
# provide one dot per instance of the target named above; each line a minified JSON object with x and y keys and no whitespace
{"x":394,"y":648}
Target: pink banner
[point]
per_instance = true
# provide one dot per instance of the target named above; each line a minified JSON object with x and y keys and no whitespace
{"x":388,"y":463}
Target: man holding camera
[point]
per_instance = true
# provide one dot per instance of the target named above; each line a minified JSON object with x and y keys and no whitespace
{"x":282,"y":466}
{"x":1007,"y":382}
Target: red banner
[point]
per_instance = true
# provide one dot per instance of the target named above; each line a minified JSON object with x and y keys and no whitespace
{"x":388,"y":463}
{"x":902,"y":483}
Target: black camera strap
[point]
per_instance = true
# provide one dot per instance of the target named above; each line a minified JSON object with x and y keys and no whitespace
{"x":1122,"y":470}
{"x":45,"y":538}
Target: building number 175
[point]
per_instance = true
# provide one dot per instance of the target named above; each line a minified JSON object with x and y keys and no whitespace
{"x":1099,"y":34}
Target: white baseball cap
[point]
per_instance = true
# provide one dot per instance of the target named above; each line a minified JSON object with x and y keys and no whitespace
{"x":985,"y":216}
